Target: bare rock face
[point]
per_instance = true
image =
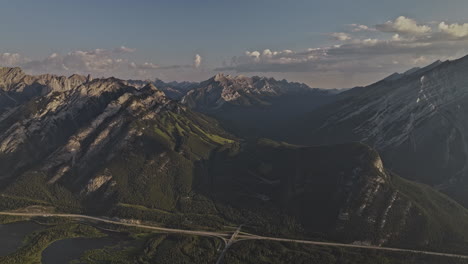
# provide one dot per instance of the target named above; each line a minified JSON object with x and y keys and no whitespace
{"x":96,"y":183}
{"x":68,"y":120}
{"x":239,"y":90}
{"x":15,"y":80}
{"x":16,"y":87}
{"x":10,"y":76}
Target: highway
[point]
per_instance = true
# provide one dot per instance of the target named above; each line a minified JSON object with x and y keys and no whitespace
{"x":331,"y":244}
{"x":235,"y":237}
{"x":229,"y":244}
{"x":222,"y":236}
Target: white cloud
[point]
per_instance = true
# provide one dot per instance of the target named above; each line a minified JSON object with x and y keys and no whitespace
{"x":253,"y":54}
{"x":144,"y":66}
{"x":267,"y":53}
{"x":396,"y":37}
{"x":359,"y":28}
{"x":341,"y":36}
{"x":404,"y":25}
{"x":455,"y":30}
{"x":356,"y":56}
{"x":99,"y":62}
{"x":373,"y":51}
{"x":11,"y":59}
{"x":420,"y":60}
{"x":367,"y":42}
{"x":197,"y":61}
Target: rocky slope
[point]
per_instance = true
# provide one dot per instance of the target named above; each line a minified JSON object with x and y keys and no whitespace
{"x":71,"y":139}
{"x":417,"y":120}
{"x":17,"y":87}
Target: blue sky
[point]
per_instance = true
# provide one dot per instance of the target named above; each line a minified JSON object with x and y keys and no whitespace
{"x":160,"y":39}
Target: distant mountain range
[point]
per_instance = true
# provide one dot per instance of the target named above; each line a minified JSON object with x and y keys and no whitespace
{"x":416,"y":119}
{"x":173,"y":90}
{"x":255,"y":106}
{"x":123,"y":148}
{"x":222,"y":90}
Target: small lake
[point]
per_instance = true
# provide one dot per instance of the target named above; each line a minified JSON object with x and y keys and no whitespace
{"x":66,"y":250}
{"x":12,"y":235}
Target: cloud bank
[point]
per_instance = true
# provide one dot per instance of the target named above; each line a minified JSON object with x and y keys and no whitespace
{"x":404,"y":25}
{"x":98,"y":62}
{"x":356,"y":55}
{"x":395,"y":45}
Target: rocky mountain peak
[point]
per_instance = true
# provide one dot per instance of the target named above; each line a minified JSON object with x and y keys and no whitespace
{"x":9,"y":76}
{"x":240,"y":90}
{"x":4,"y":71}
{"x":220,"y":77}
{"x":156,"y":92}
{"x":151,"y":86}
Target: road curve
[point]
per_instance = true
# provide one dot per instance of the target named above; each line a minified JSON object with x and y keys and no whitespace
{"x":229,"y":244}
{"x":237,"y":235}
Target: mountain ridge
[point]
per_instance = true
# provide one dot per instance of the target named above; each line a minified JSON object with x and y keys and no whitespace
{"x":240,"y":90}
{"x":108,"y":148}
{"x":417,"y":121}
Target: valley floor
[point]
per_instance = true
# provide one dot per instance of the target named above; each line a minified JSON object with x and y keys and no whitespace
{"x":237,"y":245}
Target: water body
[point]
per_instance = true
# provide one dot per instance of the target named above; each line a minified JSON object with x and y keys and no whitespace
{"x":12,"y":235}
{"x":66,"y":250}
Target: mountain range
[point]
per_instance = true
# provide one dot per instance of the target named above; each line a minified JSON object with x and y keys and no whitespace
{"x":173,"y":90}
{"x":255,"y":107}
{"x":198,"y":158}
{"x":417,"y":120}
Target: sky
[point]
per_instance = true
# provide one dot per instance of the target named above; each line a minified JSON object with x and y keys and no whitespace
{"x":326,"y":44}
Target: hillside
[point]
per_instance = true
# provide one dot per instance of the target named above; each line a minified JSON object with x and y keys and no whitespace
{"x":104,"y":142}
{"x":340,"y":192}
{"x":416,"y":120}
